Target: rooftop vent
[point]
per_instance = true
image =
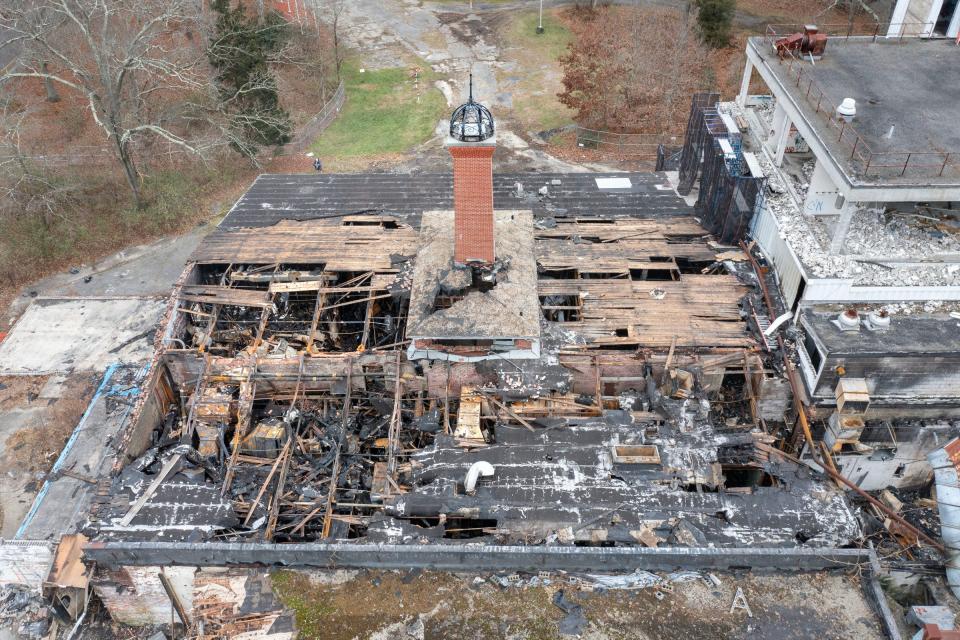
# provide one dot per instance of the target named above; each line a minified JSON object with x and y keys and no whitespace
{"x":847,"y":109}
{"x":849,"y":320}
{"x":808,"y":45}
{"x":853,"y":396}
{"x":878,"y":320}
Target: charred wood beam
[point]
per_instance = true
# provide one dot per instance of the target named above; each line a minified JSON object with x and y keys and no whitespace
{"x":208,"y":332}
{"x":174,"y":599}
{"x":332,"y":491}
{"x":152,"y":489}
{"x":281,"y":482}
{"x":509,"y":411}
{"x":748,"y":382}
{"x":187,"y":434}
{"x":393,"y":435}
{"x":317,"y":310}
{"x":244,"y":411}
{"x":263,"y":488}
{"x":366,"y":324}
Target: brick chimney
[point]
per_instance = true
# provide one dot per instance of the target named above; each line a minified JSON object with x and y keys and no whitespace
{"x":471,"y":144}
{"x":473,"y":203}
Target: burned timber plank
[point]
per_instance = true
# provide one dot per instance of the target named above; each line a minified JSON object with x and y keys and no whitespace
{"x":226,"y":295}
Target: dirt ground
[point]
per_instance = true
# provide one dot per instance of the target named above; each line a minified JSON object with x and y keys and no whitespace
{"x":381,"y":605}
{"x":37,"y":416}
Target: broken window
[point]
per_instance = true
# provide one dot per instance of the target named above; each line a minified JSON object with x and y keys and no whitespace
{"x":813,"y":353}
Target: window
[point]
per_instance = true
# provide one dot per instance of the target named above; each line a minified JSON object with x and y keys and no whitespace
{"x":816,"y":358}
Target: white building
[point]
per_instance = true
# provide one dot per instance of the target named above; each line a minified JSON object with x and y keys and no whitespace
{"x":869,"y":200}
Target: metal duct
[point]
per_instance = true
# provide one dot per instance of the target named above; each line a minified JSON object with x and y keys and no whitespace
{"x":943,"y":462}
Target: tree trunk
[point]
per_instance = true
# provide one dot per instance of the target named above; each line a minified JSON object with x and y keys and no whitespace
{"x":129,"y":170}
{"x":52,"y":95}
{"x":336,"y":41}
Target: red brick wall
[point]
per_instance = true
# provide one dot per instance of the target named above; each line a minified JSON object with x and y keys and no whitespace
{"x":933,"y":632}
{"x":473,"y":203}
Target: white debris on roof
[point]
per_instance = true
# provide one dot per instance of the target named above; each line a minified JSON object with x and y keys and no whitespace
{"x":903,"y":235}
{"x":613,"y":183}
{"x":871,"y":238}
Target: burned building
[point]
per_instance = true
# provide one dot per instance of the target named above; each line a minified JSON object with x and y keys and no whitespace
{"x":521,"y":361}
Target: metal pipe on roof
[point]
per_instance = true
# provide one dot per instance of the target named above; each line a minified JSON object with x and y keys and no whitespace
{"x":948,"y":497}
{"x":477,"y":469}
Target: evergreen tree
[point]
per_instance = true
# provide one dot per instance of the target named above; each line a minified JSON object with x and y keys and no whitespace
{"x":715,"y":18}
{"x":240,"y":52}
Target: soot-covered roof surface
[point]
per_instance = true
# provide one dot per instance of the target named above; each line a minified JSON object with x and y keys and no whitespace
{"x":276,"y":197}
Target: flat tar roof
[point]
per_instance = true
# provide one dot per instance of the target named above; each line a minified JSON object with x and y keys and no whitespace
{"x":907,"y":335}
{"x":275,"y":197}
{"x":912,"y":85}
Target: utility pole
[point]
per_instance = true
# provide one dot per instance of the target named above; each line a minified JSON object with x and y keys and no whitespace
{"x":540,"y":20}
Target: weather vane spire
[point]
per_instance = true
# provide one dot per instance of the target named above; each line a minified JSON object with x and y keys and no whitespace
{"x":471,"y":88}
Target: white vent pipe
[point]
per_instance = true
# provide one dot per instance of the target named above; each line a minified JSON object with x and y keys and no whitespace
{"x":477,"y":469}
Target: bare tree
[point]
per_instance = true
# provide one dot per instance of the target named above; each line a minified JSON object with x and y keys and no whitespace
{"x":133,"y":62}
{"x":333,"y":13}
{"x":26,"y":189}
{"x":852,"y":7}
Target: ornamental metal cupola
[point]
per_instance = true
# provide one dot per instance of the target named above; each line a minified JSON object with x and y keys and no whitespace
{"x":471,"y":121}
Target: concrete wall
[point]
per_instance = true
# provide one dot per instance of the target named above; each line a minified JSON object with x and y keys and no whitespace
{"x":25,"y":562}
{"x":876,"y":474}
{"x":765,"y":231}
{"x":919,"y":380}
{"x":920,"y":11}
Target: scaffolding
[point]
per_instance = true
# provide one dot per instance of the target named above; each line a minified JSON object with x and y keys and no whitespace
{"x":695,"y":142}
{"x":728,"y":197}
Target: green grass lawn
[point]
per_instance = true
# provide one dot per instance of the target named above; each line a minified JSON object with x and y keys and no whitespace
{"x":551,"y":44}
{"x":384,"y":112}
{"x":538,"y":73}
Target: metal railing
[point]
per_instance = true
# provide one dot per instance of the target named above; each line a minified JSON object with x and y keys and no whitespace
{"x":844,"y":31}
{"x":919,"y":164}
{"x":315,"y":125}
{"x":633,"y":144}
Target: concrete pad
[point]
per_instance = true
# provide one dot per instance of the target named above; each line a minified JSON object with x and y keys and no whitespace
{"x":63,"y":502}
{"x":80,"y":334}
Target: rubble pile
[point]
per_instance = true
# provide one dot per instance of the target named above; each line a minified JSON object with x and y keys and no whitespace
{"x":25,"y":610}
